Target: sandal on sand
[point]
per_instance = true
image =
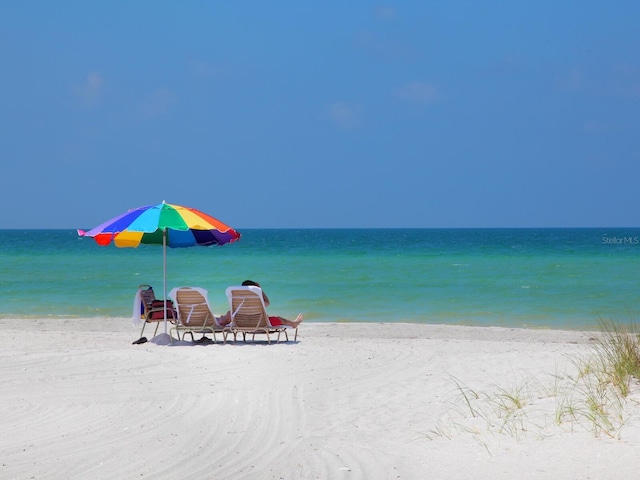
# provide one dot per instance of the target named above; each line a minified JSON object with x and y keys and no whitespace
{"x":139,"y":341}
{"x":204,"y":340}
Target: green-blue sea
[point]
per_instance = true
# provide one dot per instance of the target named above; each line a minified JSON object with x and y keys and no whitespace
{"x":532,"y":278}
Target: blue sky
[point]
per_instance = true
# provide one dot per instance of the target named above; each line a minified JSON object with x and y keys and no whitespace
{"x":322,"y":114}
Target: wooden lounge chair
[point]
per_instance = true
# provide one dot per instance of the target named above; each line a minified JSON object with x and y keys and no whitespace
{"x":152,"y":310}
{"x":249,"y":315}
{"x":194,"y":313}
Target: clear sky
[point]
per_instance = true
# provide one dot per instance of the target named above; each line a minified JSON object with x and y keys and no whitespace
{"x":322,"y":114}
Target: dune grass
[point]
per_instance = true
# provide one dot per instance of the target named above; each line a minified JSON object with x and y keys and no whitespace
{"x":594,"y":396}
{"x":617,"y":355}
{"x":606,"y":377}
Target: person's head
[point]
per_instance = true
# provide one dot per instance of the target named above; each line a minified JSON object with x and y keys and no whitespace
{"x":249,"y":283}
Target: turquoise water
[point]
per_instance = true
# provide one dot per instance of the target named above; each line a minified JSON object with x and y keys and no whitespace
{"x":555,"y":278}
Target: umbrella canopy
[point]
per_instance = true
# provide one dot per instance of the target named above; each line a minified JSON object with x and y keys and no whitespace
{"x":154,"y":224}
{"x":163,"y":224}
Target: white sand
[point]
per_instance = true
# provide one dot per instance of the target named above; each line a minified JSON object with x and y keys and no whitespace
{"x":347,"y":401}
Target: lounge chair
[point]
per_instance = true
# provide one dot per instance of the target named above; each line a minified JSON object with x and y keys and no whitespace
{"x":151,"y":309}
{"x":249,"y":315}
{"x":194,"y":313}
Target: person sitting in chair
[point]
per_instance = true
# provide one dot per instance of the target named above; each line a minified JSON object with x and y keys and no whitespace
{"x":275,"y":321}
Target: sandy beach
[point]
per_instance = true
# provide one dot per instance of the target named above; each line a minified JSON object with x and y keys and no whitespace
{"x":346,"y":401}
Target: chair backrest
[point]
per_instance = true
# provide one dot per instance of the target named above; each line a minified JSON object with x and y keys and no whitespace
{"x":193,"y":308}
{"x":247,"y":307}
{"x":147,"y":296}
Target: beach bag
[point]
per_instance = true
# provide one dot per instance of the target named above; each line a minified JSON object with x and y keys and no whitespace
{"x":157,"y":307}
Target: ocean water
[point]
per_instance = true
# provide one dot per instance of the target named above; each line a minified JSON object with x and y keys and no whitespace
{"x":552,"y":278}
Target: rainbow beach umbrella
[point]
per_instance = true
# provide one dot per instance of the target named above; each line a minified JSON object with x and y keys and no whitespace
{"x":163,"y":224}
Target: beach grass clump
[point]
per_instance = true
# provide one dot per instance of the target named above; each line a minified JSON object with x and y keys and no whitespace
{"x":605,"y":379}
{"x":502,"y":411}
{"x":509,"y":408}
{"x":593,"y":402}
{"x":617,"y":355}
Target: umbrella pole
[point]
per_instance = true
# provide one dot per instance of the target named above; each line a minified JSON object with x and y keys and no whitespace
{"x":164,"y":275}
